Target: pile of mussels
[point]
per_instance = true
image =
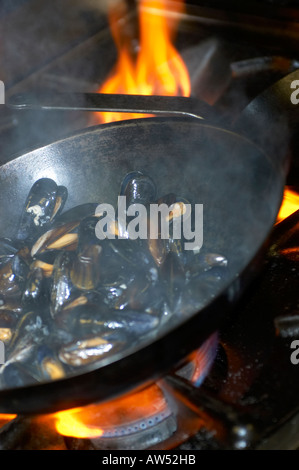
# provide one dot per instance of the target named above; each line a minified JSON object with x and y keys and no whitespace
{"x":69,"y":299}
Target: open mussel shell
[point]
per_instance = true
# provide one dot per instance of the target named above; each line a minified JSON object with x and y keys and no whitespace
{"x":76,"y":214}
{"x":85,"y":351}
{"x":165,"y":223}
{"x":48,"y":364}
{"x":58,"y":238}
{"x":29,"y":333}
{"x":44,"y":201}
{"x":32,"y":328}
{"x":8,"y":321}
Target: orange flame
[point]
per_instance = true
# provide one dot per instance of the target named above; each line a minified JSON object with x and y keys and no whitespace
{"x":157,"y":68}
{"x":5,"y":418}
{"x":71,"y":423}
{"x":290,"y":204}
{"x":91,"y":421}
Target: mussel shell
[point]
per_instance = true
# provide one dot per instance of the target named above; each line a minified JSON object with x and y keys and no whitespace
{"x":12,"y":276}
{"x":89,"y":350}
{"x":48,"y":364}
{"x":135,"y":323}
{"x":55,"y":239}
{"x":38,"y":208}
{"x":200,"y":289}
{"x":35,"y":290}
{"x":85,"y":271}
{"x":134,"y":253}
{"x":138,"y":188}
{"x":137,"y":293}
{"x":36,"y":364}
{"x":176,"y":246}
{"x":62,"y":288}
{"x":87,"y":232}
{"x":168,"y":199}
{"x":20,"y":268}
{"x":75,"y":214}
{"x":174,"y":281}
{"x":60,"y":200}
{"x":114,"y":265}
{"x":85,"y":319}
{"x":158,"y":250}
{"x":89,"y":303}
{"x":114,"y":294}
{"x":5,"y":334}
{"x":99,"y":318}
{"x":32,"y":328}
{"x":196,"y":262}
{"x":8,"y":321}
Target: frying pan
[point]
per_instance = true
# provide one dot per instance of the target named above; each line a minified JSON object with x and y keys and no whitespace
{"x":238,"y":184}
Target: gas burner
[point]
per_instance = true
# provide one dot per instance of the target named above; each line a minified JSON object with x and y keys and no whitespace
{"x":142,"y":420}
{"x":136,"y":422}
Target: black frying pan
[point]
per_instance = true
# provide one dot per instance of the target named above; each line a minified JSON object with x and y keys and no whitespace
{"x":240,"y":187}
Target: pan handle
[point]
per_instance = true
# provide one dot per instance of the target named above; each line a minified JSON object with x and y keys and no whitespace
{"x":170,"y":105}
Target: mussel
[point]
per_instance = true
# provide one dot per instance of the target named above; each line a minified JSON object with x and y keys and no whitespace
{"x":88,"y":350}
{"x":138,"y":188}
{"x":85,"y":271}
{"x":62,"y":288}
{"x":44,"y":201}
